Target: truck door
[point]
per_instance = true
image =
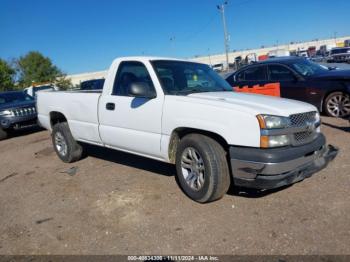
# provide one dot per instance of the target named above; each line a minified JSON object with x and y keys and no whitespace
{"x":290,"y":86}
{"x":129,"y":123}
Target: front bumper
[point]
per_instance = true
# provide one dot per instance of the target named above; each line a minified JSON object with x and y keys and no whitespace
{"x":18,"y":122}
{"x":341,"y":58}
{"x":273,"y":168}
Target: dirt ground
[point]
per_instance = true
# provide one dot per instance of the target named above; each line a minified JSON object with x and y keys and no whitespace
{"x":117,"y":203}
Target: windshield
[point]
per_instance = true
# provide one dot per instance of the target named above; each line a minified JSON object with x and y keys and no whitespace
{"x":14,"y":97}
{"x":183,"y":78}
{"x":308,"y":68}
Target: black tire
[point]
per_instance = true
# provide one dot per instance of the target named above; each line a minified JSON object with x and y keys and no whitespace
{"x":331,"y":100}
{"x":3,"y":134}
{"x":74,"y":151}
{"x":216,"y":171}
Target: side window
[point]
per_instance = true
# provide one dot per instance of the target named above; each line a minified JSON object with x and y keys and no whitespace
{"x":129,"y":73}
{"x":280,"y":73}
{"x":256,"y":73}
{"x":231,"y":79}
{"x":240,"y":76}
{"x":166,"y":77}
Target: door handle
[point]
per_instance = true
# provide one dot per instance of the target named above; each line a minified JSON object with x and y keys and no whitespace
{"x":110,"y":106}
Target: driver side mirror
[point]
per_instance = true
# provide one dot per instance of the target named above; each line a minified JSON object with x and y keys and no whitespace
{"x":141,"y":90}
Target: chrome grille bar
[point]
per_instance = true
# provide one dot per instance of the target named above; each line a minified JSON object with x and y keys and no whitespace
{"x":25,"y":111}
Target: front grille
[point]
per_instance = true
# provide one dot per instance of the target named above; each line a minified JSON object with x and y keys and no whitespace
{"x":26,"y":111}
{"x":304,"y":121}
{"x":302,"y":138}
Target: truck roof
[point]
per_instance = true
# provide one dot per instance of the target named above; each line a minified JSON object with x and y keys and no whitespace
{"x":148,"y":58}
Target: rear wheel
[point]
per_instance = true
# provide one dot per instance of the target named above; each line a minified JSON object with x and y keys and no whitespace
{"x":202,"y":168}
{"x":3,"y":134}
{"x":67,"y":149}
{"x":337,"y":104}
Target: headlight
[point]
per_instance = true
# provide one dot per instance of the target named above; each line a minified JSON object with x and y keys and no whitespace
{"x":268,"y":122}
{"x":6,"y":113}
{"x":274,"y":141}
{"x":273,"y":122}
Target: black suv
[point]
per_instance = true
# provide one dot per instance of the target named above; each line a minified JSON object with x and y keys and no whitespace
{"x":299,"y":79}
{"x":17,"y":110}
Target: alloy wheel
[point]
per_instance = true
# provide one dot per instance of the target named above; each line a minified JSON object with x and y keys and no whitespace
{"x":193,"y":169}
{"x":339,"y":105}
{"x":61,"y":144}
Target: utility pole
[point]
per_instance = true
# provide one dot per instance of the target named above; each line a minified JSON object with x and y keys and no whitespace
{"x":172,"y":40}
{"x":226,"y":39}
{"x":209,"y":56}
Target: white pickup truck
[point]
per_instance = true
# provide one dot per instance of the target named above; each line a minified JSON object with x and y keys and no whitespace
{"x":183,"y":113}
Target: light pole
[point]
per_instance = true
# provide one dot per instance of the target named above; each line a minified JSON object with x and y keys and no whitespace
{"x":222,"y":11}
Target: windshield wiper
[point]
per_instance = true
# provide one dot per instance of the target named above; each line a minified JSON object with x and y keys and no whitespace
{"x":190,"y":91}
{"x":197,"y":90}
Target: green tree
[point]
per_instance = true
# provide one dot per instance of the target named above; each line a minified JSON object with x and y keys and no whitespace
{"x":7,"y":74}
{"x":63,"y":83}
{"x":36,"y":68}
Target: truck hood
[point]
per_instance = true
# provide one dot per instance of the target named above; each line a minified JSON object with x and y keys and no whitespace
{"x":252,"y":103}
{"x":17,"y":105}
{"x":333,"y":75}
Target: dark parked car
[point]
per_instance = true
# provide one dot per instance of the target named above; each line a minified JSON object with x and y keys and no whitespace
{"x":95,"y":84}
{"x":17,"y":110}
{"x":299,"y":79}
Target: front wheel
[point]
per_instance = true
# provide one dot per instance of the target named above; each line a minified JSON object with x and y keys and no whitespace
{"x":67,"y":149}
{"x":337,"y":104}
{"x":202,"y":168}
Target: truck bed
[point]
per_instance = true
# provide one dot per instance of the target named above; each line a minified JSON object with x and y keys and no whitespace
{"x":79,"y":107}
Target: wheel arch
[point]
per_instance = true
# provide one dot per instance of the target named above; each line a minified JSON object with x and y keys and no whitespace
{"x":178,"y":133}
{"x":57,"y":117}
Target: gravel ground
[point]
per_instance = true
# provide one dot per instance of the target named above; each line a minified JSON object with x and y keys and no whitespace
{"x":117,"y":203}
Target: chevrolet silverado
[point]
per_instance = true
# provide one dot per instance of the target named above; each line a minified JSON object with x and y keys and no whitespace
{"x":183,"y":113}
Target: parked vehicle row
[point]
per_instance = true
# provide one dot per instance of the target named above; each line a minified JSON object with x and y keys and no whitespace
{"x":336,"y":52}
{"x":183,"y":113}
{"x":299,"y":79}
